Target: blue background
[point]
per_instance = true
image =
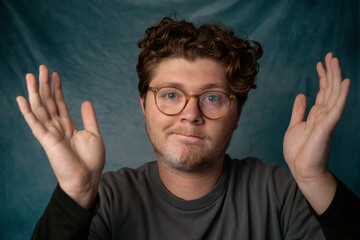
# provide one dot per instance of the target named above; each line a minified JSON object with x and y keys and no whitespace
{"x":92,"y":44}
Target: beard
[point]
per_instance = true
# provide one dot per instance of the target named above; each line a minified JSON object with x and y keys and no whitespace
{"x":186,"y":156}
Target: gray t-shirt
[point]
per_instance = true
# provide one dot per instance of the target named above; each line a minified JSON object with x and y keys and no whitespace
{"x":250,"y":201}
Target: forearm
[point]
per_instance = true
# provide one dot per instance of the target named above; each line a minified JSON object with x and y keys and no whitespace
{"x":341,"y":220}
{"x":64,"y":219}
{"x":319,"y":192}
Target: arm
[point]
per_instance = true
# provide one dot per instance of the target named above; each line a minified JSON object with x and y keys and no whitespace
{"x":76,"y":157}
{"x":306,"y":151}
{"x":64,"y":219}
{"x":341,"y":219}
{"x":307,"y":143}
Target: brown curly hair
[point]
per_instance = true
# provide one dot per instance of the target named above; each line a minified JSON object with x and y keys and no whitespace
{"x":180,"y":39}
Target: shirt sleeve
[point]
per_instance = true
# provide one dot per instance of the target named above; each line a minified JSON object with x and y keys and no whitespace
{"x":64,"y":219}
{"x":342,"y":218}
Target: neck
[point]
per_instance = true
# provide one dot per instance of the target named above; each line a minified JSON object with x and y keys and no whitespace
{"x":189,"y":185}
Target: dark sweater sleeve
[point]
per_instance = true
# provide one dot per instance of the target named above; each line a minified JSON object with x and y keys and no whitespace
{"x":64,"y":219}
{"x":342,"y":218}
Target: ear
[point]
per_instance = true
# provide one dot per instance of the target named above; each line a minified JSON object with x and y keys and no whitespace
{"x":142,"y":101}
{"x":238,"y":117}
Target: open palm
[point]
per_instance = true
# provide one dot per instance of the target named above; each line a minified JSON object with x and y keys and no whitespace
{"x":307,"y":143}
{"x":77,"y":157}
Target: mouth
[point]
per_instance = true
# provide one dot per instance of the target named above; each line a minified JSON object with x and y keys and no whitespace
{"x":195,"y":136}
{"x":189,"y":137}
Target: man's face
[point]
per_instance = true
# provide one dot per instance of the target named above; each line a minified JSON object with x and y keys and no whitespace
{"x":189,"y":141}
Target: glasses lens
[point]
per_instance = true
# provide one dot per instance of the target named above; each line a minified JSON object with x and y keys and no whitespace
{"x":170,"y":100}
{"x":214,"y":104}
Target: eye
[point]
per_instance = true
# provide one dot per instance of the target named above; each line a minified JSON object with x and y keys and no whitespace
{"x":170,"y":95}
{"x":212,"y":98}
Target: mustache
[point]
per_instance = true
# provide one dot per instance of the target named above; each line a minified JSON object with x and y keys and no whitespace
{"x":188,"y":132}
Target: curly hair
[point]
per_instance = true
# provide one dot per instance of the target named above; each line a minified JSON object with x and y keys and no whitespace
{"x":180,"y":39}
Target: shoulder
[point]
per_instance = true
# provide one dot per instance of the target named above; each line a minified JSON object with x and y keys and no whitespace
{"x":128,"y":174}
{"x":122,"y":196}
{"x":273,"y":189}
{"x":254,"y":167}
{"x":126,"y":182}
{"x":266,"y":178}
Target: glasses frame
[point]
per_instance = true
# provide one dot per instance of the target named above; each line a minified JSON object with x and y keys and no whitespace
{"x":155,"y":90}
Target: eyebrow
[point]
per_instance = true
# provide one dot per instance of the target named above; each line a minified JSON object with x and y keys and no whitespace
{"x":203,"y":88}
{"x":212,"y":86}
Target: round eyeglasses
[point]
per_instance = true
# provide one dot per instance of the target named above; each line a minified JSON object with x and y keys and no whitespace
{"x":172,"y":101}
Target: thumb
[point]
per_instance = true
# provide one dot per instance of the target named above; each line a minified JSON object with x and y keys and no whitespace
{"x":298,"y":112}
{"x":89,"y":118}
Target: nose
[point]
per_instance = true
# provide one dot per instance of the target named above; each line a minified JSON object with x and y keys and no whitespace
{"x":192,"y":113}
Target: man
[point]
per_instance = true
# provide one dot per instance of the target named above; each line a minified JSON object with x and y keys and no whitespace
{"x":193,"y":84}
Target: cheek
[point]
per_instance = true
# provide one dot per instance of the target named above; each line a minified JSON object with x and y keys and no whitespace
{"x":226,"y":128}
{"x":222,"y":131}
{"x":149,"y":108}
{"x":154,"y":118}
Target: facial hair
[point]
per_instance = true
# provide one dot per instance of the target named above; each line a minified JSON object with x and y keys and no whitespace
{"x":187,"y":157}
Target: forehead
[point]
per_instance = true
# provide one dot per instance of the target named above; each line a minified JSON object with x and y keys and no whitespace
{"x":193,"y":76}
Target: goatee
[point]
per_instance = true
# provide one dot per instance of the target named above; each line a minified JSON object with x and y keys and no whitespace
{"x":187,"y":157}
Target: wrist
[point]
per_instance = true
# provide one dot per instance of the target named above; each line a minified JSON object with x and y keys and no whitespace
{"x":319,"y":191}
{"x":85,"y":198}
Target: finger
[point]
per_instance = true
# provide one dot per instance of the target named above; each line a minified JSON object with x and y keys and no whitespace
{"x":89,"y":118}
{"x":329,"y":56}
{"x":45,"y":91}
{"x":298,"y":112}
{"x":328,"y":59}
{"x":322,"y":82}
{"x":44,"y":82}
{"x":58,"y":95}
{"x":340,"y":104}
{"x":336,"y":81}
{"x":36,"y":127}
{"x":35,"y":100}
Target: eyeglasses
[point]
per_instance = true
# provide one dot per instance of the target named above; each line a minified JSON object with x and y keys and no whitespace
{"x":172,"y":101}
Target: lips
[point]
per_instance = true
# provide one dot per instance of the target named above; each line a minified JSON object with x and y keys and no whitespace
{"x":189,"y":135}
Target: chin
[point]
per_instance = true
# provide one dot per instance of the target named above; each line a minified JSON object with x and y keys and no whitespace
{"x":188,"y":158}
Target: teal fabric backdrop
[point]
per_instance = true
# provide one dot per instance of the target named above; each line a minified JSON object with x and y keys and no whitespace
{"x":92,"y":44}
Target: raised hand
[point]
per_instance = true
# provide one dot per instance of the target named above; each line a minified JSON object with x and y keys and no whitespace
{"x":307,"y":143}
{"x":77,"y":157}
